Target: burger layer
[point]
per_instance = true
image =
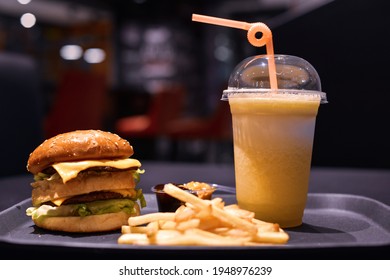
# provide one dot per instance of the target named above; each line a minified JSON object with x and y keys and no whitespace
{"x":54,"y":190}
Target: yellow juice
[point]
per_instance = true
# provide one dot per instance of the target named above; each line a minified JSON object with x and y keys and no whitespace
{"x":273,"y":140}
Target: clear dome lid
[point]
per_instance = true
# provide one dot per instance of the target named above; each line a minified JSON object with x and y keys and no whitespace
{"x":294,"y":75}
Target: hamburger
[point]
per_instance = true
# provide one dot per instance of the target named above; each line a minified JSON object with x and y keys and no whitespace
{"x":84,"y":181}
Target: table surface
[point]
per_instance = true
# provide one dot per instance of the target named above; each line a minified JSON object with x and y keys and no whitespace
{"x":370,"y":183}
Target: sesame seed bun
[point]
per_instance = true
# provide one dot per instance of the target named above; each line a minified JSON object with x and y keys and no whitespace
{"x":76,"y":146}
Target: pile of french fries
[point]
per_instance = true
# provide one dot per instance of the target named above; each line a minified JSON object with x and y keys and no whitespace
{"x":201,"y":222}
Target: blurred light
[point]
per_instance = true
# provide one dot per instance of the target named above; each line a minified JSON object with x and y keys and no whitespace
{"x":223,"y":53}
{"x":28,"y":20}
{"x":94,"y":55}
{"x":71,"y":52}
{"x":221,"y":39}
{"x":24,"y":2}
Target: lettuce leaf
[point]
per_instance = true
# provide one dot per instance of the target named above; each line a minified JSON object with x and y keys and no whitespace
{"x":83,"y":209}
{"x":137,"y":175}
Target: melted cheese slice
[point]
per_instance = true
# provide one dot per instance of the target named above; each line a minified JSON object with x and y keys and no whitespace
{"x":123,"y":192}
{"x":70,"y":170}
{"x":59,"y":201}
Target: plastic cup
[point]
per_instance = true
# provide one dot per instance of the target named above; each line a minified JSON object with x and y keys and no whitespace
{"x":273,"y":133}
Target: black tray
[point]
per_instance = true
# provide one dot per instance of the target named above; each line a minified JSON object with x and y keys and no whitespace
{"x":332,"y":223}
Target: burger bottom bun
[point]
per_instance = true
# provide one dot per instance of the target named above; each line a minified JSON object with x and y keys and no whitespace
{"x":93,"y":223}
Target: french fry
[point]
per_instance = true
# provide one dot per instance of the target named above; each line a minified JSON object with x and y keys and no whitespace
{"x":181,"y":208}
{"x":235,"y":210}
{"x":201,"y":223}
{"x":232,"y":232}
{"x":134,"y":238}
{"x":218,"y":202}
{"x":185,"y":214}
{"x":209,"y":223}
{"x":131,"y":229}
{"x":260,"y":222}
{"x":189,"y":224}
{"x":167,"y":224}
{"x":264,"y":226}
{"x":272,"y":237}
{"x":171,"y":237}
{"x":139,"y":229}
{"x":234,"y":220}
{"x":152,"y":228}
{"x":209,"y":238}
{"x":147,"y":218}
{"x":185,"y":196}
{"x":125,"y":229}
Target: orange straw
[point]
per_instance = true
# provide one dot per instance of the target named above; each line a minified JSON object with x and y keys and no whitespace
{"x":253,"y":28}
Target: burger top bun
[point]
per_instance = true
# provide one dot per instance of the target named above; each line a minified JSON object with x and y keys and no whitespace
{"x":76,"y":146}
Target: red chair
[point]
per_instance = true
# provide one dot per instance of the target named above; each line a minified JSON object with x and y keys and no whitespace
{"x":166,"y":105}
{"x":214,"y":131}
{"x":80,"y":103}
{"x":215,"y":127}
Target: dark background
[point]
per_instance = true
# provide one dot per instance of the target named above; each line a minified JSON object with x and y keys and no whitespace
{"x":345,"y":40}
